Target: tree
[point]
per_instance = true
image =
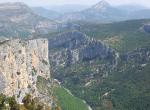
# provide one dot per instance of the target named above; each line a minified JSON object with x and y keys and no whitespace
{"x":12,"y":103}
{"x":2,"y":100}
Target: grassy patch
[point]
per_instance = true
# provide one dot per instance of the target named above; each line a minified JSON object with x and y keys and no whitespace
{"x":67,"y":101}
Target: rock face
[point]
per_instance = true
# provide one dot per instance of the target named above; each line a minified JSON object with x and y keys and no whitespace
{"x":147,"y":28}
{"x":138,"y":56}
{"x":72,"y":47}
{"x":21,"y":62}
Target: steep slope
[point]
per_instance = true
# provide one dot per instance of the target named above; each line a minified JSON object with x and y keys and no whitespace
{"x":21,"y":64}
{"x":122,"y":36}
{"x":101,"y":6}
{"x":76,"y":60}
{"x":71,"y":47}
{"x":18,"y":20}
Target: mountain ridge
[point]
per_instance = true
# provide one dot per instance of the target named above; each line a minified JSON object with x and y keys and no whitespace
{"x":103,"y":12}
{"x":17,"y":19}
{"x":101,"y":5}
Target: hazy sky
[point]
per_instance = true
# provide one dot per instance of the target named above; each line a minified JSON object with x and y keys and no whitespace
{"x":83,"y":2}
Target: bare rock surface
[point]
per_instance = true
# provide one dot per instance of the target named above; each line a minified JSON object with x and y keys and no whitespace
{"x":21,"y":62}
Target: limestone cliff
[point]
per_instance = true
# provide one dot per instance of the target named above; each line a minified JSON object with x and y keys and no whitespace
{"x":72,"y":47}
{"x":21,"y":62}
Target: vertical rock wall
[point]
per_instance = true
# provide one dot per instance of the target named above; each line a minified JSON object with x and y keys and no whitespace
{"x":20,"y":64}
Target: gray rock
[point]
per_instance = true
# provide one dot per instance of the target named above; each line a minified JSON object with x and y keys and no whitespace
{"x":71,"y":47}
{"x":21,"y":62}
{"x":2,"y":82}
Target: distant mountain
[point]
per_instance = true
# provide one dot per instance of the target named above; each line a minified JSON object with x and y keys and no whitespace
{"x":100,"y":12}
{"x":17,"y":19}
{"x":140,"y":14}
{"x":68,"y":8}
{"x":131,"y":8}
{"x":136,"y":11}
{"x":104,"y":12}
{"x":101,"y":6}
{"x":46,"y":12}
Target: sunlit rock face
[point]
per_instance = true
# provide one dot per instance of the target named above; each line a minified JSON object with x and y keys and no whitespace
{"x":20,"y":64}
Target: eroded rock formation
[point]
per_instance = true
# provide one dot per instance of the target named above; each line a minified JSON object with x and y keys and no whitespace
{"x":21,"y":62}
{"x":71,"y":47}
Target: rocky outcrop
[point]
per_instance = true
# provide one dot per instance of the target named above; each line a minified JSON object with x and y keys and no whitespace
{"x":72,"y":47}
{"x":21,"y":62}
{"x":96,"y":49}
{"x":138,"y":56}
{"x":146,"y":28}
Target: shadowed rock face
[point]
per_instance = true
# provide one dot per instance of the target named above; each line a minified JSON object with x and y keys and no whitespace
{"x":69,"y":40}
{"x":69,"y":48}
{"x":147,"y":28}
{"x":95,"y":49}
{"x":21,"y":62}
{"x":138,"y":56}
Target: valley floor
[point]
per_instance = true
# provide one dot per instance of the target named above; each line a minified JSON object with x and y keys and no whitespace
{"x":68,"y":101}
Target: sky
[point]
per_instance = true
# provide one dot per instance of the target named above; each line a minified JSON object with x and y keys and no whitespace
{"x":81,"y":2}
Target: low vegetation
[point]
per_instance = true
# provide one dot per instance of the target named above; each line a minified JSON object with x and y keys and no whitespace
{"x":67,"y":101}
{"x":28,"y":103}
{"x":126,"y":88}
{"x":127,"y":35}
